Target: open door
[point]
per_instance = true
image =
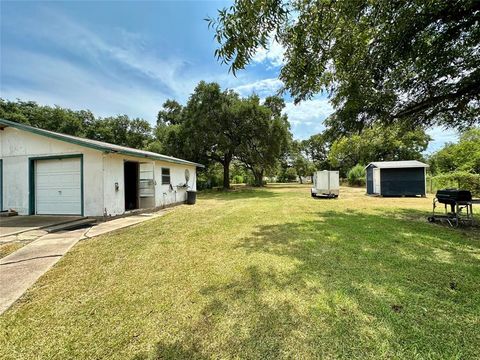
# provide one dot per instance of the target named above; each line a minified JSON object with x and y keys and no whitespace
{"x":131,"y":181}
{"x":146,"y":186}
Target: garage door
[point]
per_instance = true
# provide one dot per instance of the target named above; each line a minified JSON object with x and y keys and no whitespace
{"x":58,"y":187}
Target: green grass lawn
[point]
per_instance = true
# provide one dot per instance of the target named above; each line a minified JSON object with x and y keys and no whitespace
{"x":267,"y":273}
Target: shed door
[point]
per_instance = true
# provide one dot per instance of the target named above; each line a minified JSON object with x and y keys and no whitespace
{"x":58,"y":187}
{"x":376,"y":181}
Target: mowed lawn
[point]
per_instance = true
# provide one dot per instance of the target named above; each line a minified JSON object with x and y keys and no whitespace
{"x":264,"y":273}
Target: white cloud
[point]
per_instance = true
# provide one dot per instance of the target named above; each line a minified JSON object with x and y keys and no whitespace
{"x":102,"y":94}
{"x":308,"y":112}
{"x":273,"y":54}
{"x":108,"y":73}
{"x":127,"y":51}
{"x":307,"y":117}
{"x":262,"y":88}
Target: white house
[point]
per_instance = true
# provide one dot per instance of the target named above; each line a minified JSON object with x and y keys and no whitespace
{"x":44,"y":172}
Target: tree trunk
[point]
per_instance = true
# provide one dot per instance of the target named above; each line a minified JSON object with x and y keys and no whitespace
{"x":258,"y":178}
{"x":301,"y":181}
{"x":226,"y":172}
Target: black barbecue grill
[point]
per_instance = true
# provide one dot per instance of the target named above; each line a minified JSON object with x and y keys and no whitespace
{"x":461,"y":209}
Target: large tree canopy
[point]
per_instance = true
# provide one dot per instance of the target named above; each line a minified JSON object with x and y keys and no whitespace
{"x":410,"y":61}
{"x":265,"y":137}
{"x":217,"y":126}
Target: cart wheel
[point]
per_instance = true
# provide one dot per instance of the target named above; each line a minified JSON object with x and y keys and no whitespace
{"x":313,"y":195}
{"x":431,"y":219}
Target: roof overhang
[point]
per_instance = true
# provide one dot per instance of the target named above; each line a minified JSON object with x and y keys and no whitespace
{"x":407,"y":164}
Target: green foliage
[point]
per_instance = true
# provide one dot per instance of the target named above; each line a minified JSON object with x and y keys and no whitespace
{"x":378,"y":143}
{"x":298,"y":160}
{"x":411,"y":61}
{"x":120,"y":130}
{"x":287,"y":175}
{"x":171,"y":114}
{"x":265,"y":135}
{"x":316,"y":150}
{"x":210,"y":177}
{"x":463,"y":156}
{"x":218,"y":127}
{"x":457,"y":179}
{"x":356,"y":175}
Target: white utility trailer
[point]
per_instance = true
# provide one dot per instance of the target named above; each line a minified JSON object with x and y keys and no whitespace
{"x":326,"y":184}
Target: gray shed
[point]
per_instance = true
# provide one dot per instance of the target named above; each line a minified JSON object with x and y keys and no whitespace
{"x":396,"y":178}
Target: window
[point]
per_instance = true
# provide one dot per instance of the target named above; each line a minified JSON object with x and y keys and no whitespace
{"x":165,"y":176}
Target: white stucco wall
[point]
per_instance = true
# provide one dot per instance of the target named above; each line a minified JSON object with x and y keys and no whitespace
{"x":17,"y":146}
{"x":101,"y":171}
{"x":164,"y":195}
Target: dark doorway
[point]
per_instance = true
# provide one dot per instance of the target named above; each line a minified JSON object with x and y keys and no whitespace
{"x":131,"y":173}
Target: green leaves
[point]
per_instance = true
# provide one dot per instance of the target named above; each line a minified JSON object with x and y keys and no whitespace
{"x":412,"y":62}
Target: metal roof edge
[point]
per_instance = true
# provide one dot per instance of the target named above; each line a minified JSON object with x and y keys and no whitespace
{"x":84,"y":143}
{"x":420,"y":164}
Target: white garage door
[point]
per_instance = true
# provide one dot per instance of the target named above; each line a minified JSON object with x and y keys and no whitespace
{"x":58,"y":187}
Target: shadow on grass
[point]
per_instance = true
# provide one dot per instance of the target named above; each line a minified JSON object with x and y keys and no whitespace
{"x":347,"y":285}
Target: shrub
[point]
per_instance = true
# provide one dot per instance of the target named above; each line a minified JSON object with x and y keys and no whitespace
{"x":238,"y":179}
{"x":356,"y":176}
{"x":457,"y":179}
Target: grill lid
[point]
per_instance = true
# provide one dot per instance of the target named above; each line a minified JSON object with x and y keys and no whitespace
{"x":449,"y":196}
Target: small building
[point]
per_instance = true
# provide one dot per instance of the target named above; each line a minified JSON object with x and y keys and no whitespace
{"x":396,"y":178}
{"x":48,"y":173}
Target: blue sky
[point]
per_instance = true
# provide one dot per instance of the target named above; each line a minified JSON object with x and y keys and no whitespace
{"x":119,"y":57}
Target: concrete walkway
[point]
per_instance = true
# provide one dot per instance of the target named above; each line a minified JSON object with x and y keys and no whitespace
{"x":20,"y":270}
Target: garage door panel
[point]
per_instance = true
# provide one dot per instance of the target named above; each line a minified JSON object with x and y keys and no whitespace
{"x":64,"y":181}
{"x":58,"y":186}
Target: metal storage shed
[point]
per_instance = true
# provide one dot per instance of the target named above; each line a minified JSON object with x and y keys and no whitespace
{"x":396,"y":178}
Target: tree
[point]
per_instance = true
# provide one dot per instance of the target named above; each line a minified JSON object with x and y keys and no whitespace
{"x":120,"y":130}
{"x":51,"y":118}
{"x":378,"y":143}
{"x":316,"y":151}
{"x":171,"y":113}
{"x":168,"y":131}
{"x":462,"y":156}
{"x":414,"y":62}
{"x":298,"y":160}
{"x":265,"y":134}
{"x":210,"y":132}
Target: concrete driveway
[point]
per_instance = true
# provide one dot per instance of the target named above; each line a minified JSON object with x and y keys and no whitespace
{"x":11,"y":225}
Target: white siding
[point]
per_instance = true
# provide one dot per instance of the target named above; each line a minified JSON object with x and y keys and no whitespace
{"x":101,"y":172}
{"x":17,"y":146}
